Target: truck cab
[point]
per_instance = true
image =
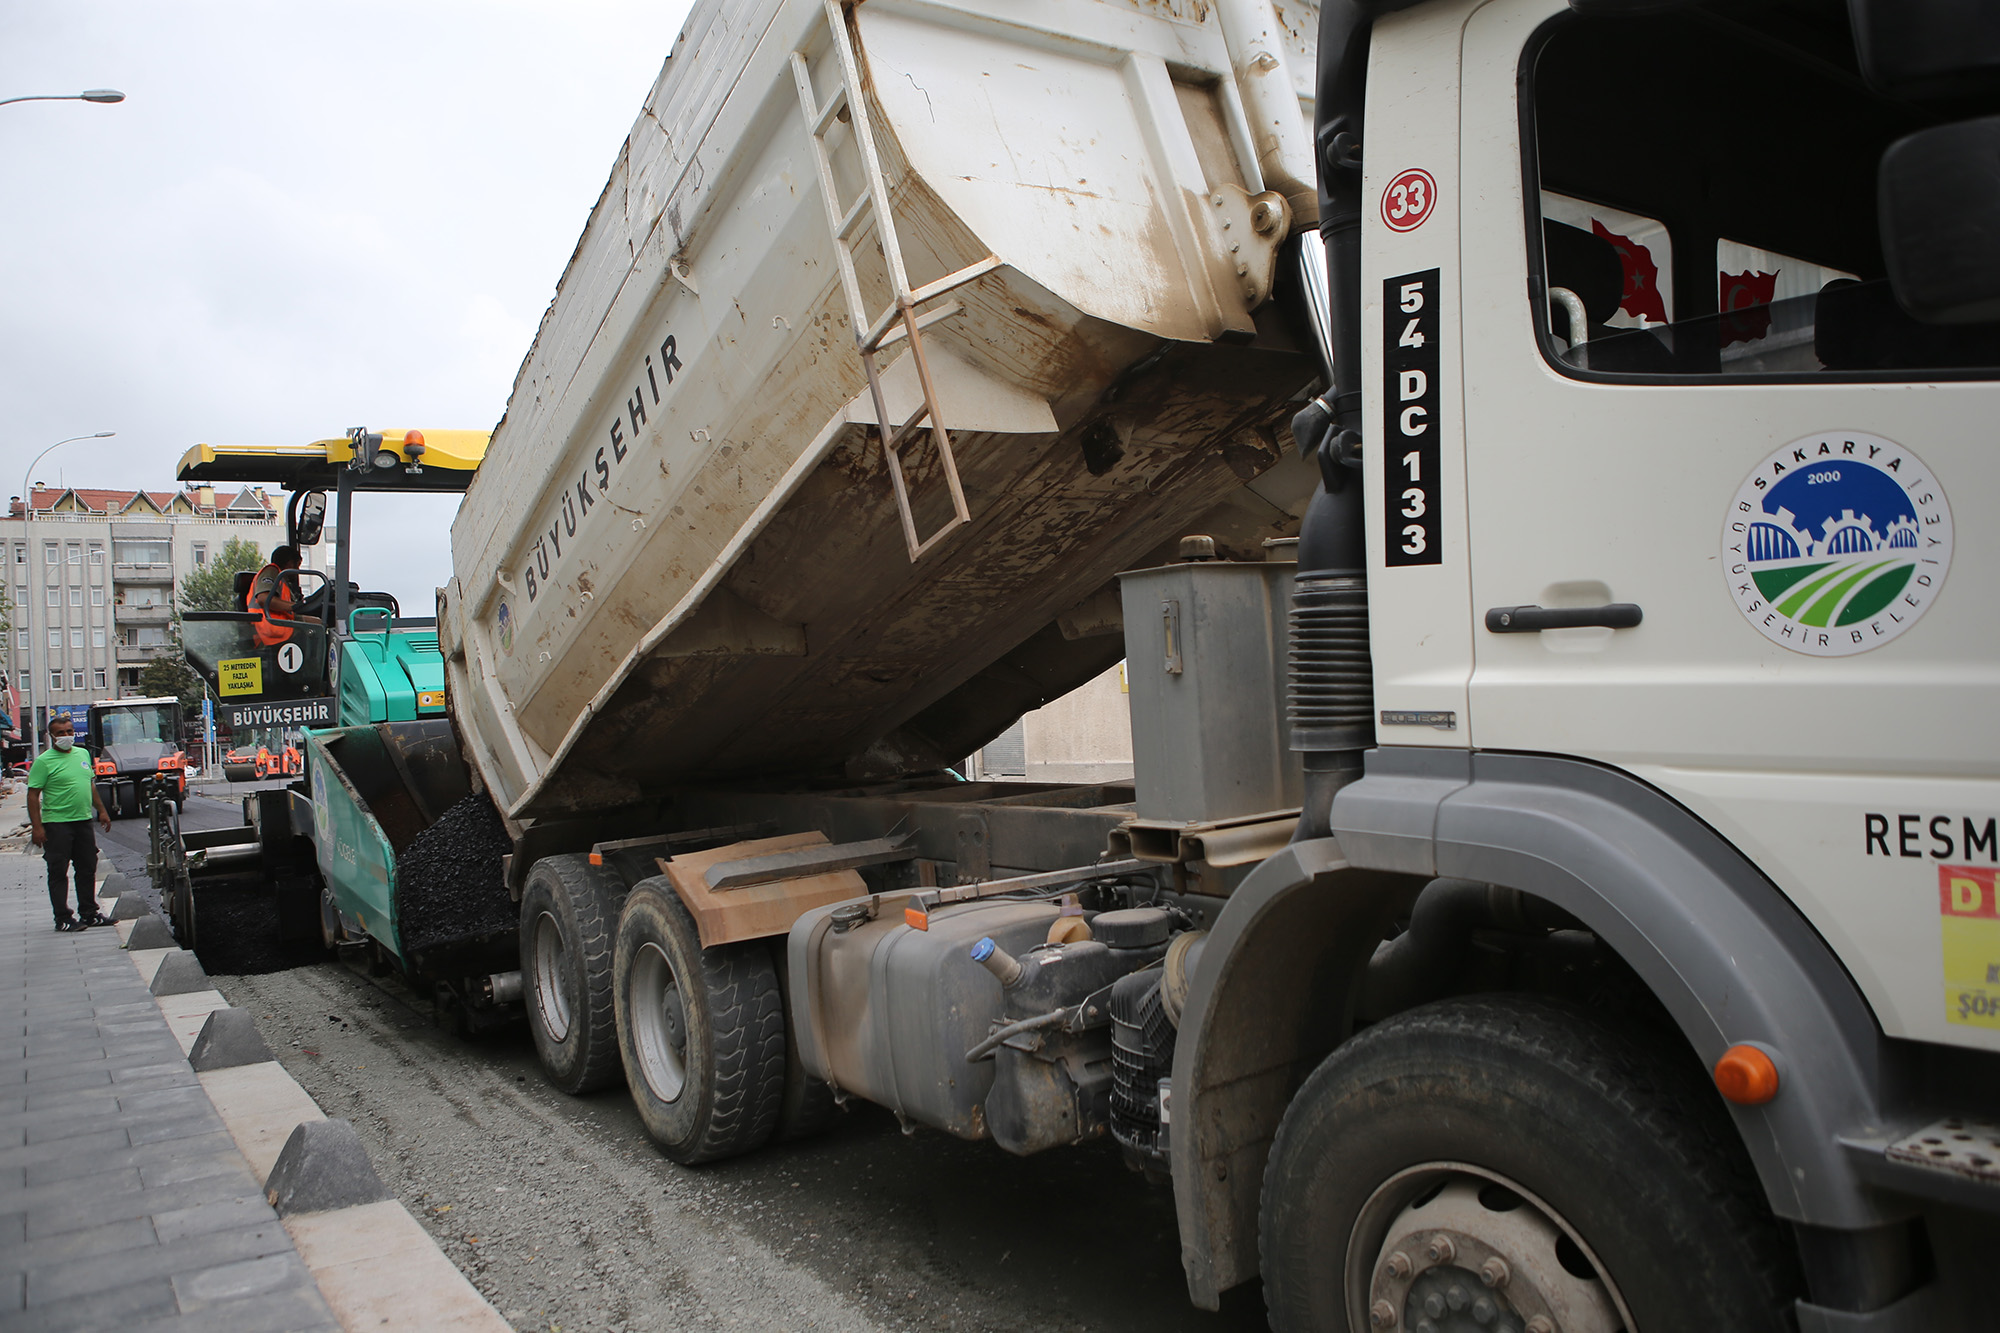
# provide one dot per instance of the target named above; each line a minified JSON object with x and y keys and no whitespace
{"x":1661,"y":347}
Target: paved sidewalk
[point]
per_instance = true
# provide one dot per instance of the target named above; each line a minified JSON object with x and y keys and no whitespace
{"x":124,"y":1202}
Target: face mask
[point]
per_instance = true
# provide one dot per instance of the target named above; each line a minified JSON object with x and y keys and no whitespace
{"x":63,"y":742}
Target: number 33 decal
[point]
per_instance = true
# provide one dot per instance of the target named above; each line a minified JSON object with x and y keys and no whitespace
{"x":1407,"y":201}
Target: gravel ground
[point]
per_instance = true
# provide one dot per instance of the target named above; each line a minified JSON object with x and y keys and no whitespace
{"x":559,"y":1210}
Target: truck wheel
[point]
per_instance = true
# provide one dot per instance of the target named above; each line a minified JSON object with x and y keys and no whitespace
{"x":1505,"y":1163}
{"x":128,"y":800}
{"x":702,"y":1031}
{"x":808,"y":1107}
{"x":569,"y":910}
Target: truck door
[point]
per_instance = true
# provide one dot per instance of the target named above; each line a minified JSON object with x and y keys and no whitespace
{"x":1688,"y":390}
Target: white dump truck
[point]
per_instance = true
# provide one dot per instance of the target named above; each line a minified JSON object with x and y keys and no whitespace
{"x":1528,"y":455}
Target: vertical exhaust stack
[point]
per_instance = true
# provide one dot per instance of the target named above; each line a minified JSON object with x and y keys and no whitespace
{"x":1331,"y":691}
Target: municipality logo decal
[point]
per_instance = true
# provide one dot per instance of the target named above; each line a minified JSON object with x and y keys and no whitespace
{"x":1836,"y":544}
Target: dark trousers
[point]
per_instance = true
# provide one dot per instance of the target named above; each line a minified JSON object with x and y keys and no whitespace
{"x":71,"y":842}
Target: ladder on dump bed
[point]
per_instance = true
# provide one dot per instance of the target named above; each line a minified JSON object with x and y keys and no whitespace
{"x":902,"y":319}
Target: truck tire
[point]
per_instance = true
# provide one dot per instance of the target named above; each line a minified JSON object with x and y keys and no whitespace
{"x":702,"y":1031}
{"x":1603,"y":1173}
{"x":569,"y":912}
{"x":128,"y":801}
{"x":808,"y":1108}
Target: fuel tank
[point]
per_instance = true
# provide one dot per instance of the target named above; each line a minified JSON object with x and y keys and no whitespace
{"x":887,"y":1012}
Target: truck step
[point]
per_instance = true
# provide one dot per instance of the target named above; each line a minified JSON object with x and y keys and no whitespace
{"x":1963,"y":1145}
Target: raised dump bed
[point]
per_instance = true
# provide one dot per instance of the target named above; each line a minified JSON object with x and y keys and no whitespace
{"x":1049,"y":229}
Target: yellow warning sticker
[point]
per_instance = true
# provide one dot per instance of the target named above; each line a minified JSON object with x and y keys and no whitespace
{"x":240,"y":675}
{"x":1970,"y":903}
{"x":430,"y":698}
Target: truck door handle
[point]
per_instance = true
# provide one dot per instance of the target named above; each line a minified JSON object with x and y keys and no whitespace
{"x":1535,"y":619}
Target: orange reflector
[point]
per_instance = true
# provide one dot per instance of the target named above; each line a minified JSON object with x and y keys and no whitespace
{"x":1746,"y":1076}
{"x":916,"y":918}
{"x":597,"y":858}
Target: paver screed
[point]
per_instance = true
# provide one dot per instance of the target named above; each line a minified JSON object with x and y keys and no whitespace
{"x":124,"y":1202}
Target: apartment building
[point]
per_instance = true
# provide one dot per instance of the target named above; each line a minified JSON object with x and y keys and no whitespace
{"x":92,"y":580}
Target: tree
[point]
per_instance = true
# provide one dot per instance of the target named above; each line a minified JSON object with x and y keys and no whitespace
{"x":168,"y":674}
{"x":213,"y":586}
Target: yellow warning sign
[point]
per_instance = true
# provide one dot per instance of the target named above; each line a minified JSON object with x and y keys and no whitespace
{"x":1970,"y":903}
{"x":240,"y":675}
{"x":430,"y":698}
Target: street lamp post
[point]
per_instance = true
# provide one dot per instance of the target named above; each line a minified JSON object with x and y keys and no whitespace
{"x":89,"y":95}
{"x":28,"y":513}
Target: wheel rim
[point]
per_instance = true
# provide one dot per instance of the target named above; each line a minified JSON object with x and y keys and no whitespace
{"x":551,"y":990}
{"x":1447,"y":1247}
{"x":659,"y":1021}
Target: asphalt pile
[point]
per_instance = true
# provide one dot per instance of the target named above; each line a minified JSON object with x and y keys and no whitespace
{"x":448,"y":881}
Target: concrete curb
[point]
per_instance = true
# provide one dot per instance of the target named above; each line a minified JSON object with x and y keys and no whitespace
{"x":228,"y":1038}
{"x":375,"y":1265}
{"x":179,"y":973}
{"x":148,"y":932}
{"x":322,"y":1167}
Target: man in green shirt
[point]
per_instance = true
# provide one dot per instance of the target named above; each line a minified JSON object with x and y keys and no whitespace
{"x":62,"y":793}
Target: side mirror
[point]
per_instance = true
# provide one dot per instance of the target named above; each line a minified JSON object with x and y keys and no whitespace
{"x":1939,"y":204}
{"x":311,"y":519}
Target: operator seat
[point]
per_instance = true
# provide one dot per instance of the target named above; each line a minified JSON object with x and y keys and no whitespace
{"x":319,"y":602}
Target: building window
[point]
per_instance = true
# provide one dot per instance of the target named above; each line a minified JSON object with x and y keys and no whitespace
{"x":55,"y":638}
{"x":76,"y":637}
{"x":55,"y":596}
{"x":97,"y":597}
{"x":102,"y":682}
{"x":97,"y":637}
{"x":75,"y":554}
{"x":141,"y":553}
{"x":76,"y":680}
{"x":200,"y":554}
{"x":96,"y":554}
{"x":21,"y":640}
{"x":76,"y":597}
{"x":27,"y":685}
{"x":55,"y":680}
{"x":20,"y":554}
{"x":50,"y":555}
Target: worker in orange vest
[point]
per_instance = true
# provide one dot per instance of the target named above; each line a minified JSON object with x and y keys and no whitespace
{"x":273,"y":595}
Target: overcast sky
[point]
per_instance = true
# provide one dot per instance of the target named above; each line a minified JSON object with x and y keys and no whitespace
{"x":302,"y":218}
